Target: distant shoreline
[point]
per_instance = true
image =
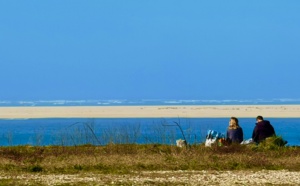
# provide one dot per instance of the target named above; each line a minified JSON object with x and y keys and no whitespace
{"x":164,"y":111}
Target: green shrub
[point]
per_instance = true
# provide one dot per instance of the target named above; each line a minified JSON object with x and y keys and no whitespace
{"x":273,"y":143}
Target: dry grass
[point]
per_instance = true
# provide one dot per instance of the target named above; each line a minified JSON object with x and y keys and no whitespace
{"x":125,"y":159}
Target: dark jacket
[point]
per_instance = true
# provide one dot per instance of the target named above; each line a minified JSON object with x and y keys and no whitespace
{"x":235,"y":135}
{"x":262,"y":130}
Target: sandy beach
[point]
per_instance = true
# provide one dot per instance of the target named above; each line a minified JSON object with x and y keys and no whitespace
{"x":246,"y":111}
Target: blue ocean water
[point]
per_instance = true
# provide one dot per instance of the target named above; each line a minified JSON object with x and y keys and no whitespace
{"x":74,"y":131}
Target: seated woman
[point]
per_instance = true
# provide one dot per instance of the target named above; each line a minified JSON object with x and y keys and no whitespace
{"x":234,"y":131}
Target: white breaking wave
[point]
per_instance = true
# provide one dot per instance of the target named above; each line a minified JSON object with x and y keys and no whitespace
{"x":148,"y":102}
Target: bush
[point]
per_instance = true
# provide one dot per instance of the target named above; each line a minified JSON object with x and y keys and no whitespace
{"x":273,"y":142}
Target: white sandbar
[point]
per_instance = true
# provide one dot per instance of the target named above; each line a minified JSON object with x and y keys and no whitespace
{"x":211,"y":111}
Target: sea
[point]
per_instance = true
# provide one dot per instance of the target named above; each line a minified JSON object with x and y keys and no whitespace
{"x":103,"y":131}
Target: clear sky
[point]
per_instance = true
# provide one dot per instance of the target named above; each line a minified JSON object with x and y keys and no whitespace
{"x":142,"y":49}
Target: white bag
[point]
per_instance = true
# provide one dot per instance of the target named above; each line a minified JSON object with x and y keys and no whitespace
{"x":248,"y":141}
{"x":209,"y":142}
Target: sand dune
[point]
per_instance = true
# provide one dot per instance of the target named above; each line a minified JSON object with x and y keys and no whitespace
{"x":275,"y":111}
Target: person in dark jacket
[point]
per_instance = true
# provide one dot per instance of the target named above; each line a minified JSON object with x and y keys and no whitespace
{"x":234,"y":132}
{"x":262,"y":130}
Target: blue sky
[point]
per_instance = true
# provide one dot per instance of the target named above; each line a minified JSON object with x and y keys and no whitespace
{"x":149,"y":49}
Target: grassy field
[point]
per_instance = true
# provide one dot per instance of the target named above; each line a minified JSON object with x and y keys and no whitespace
{"x":123,"y":159}
{"x":129,"y":159}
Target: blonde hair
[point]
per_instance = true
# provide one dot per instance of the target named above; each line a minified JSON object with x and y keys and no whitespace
{"x":234,"y":123}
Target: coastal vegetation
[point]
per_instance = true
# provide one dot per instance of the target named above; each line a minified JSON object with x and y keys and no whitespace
{"x":125,"y":158}
{"x":130,"y":159}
